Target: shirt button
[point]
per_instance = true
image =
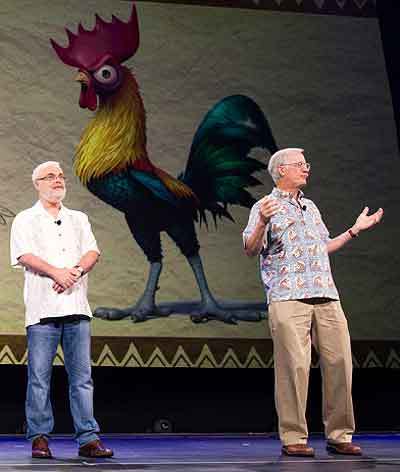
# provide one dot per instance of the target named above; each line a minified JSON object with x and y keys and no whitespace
{"x":59,"y":234}
{"x":63,"y":249}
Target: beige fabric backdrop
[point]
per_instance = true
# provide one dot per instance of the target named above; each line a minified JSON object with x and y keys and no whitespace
{"x":320,"y":80}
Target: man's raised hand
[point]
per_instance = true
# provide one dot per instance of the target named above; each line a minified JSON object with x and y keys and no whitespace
{"x":365,"y":221}
{"x":268,"y":208}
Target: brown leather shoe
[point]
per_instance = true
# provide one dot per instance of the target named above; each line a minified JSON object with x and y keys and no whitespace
{"x":40,"y":448}
{"x":298,"y":450}
{"x":95,"y":449}
{"x":345,"y":448}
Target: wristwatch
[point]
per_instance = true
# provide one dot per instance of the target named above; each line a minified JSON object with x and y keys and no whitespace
{"x":352,"y":233}
{"x":79,"y":269}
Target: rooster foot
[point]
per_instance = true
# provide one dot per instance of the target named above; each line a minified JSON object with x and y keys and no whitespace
{"x":207,"y":311}
{"x":139,"y":312}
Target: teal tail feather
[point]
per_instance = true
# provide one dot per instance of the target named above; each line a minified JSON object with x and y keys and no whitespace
{"x":219,"y":169}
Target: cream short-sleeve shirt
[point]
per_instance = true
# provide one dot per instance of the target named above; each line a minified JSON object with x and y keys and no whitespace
{"x":60,"y":242}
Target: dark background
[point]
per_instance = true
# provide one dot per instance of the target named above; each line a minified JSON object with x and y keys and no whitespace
{"x":199,"y":400}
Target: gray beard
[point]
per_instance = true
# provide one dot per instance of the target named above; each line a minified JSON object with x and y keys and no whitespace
{"x":54,"y":196}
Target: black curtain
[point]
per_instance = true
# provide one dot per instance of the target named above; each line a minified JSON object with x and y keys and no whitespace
{"x":389,"y":20}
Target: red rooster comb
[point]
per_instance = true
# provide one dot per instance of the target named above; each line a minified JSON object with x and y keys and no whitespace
{"x":88,"y":49}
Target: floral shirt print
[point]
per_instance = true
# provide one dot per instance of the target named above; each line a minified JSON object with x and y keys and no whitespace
{"x":302,"y":269}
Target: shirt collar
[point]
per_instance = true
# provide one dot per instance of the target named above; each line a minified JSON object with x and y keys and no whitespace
{"x":39,"y":209}
{"x":277,"y":193}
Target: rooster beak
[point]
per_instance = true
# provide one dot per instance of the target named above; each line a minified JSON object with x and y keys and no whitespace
{"x":88,"y":98}
{"x":82,"y":78}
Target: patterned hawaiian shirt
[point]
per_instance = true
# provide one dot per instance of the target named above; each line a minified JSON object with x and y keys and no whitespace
{"x":302,"y":269}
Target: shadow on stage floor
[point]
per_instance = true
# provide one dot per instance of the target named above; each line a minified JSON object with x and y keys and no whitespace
{"x":223,"y":453}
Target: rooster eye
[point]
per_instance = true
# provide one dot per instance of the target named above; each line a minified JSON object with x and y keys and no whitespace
{"x":106,"y":75}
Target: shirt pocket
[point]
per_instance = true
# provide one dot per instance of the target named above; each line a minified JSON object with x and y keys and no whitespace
{"x":74,"y":242}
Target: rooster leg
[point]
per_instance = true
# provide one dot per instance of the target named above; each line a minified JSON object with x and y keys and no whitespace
{"x":208,"y":309}
{"x":145,"y":307}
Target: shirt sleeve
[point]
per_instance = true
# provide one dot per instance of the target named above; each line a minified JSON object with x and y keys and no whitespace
{"x":88,"y":242}
{"x":20,"y":240}
{"x":323,"y":230}
{"x":252,"y":223}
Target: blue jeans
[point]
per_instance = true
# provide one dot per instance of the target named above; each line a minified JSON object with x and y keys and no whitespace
{"x":43,"y":341}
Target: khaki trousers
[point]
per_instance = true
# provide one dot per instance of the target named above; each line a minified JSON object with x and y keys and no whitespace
{"x":293,"y":324}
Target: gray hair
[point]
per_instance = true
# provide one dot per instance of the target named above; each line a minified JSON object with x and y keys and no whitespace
{"x":38,"y":169}
{"x":279,"y":158}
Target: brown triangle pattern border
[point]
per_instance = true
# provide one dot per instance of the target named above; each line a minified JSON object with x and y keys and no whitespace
{"x":363,"y":8}
{"x":213,"y":353}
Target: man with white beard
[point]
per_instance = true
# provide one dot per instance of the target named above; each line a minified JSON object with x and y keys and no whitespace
{"x":56,"y":248}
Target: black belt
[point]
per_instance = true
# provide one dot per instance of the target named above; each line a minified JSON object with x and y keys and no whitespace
{"x":315,"y":300}
{"x":64,"y":319}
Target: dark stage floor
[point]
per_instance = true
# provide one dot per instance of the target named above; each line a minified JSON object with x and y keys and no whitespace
{"x":202,"y":454}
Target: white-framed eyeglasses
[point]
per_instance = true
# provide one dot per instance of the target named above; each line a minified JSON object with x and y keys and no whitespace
{"x":299,"y":165}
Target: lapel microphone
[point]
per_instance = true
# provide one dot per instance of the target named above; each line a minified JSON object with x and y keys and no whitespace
{"x":304,"y":208}
{"x":57,"y":222}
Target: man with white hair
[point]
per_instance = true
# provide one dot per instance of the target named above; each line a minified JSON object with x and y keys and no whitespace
{"x":57,"y":249}
{"x":287,"y":231}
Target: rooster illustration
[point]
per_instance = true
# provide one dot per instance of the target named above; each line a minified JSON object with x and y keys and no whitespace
{"x":112,"y":162}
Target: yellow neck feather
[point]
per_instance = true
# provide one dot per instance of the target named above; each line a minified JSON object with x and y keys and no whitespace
{"x":116,"y":136}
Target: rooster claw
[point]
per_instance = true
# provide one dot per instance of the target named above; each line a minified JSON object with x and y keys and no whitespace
{"x":229,"y":319}
{"x":205,"y":313}
{"x":137,"y":314}
{"x":111,"y":314}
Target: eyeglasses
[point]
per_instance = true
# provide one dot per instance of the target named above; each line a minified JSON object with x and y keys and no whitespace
{"x":299,"y":165}
{"x":53,"y":177}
